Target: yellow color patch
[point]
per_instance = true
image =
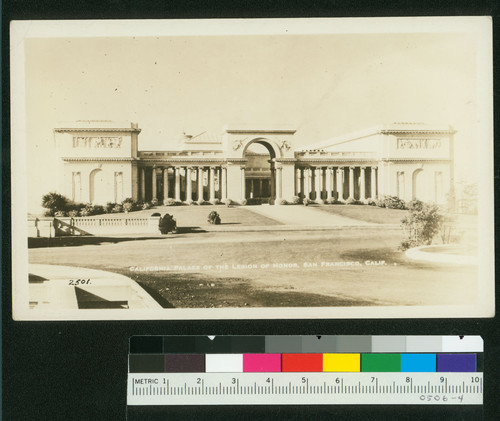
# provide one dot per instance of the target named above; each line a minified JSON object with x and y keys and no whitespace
{"x":341,"y":362}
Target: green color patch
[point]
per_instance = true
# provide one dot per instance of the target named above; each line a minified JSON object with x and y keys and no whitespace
{"x":381,"y":363}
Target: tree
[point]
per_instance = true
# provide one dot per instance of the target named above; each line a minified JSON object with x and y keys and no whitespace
{"x":55,"y":202}
{"x":421,"y":225}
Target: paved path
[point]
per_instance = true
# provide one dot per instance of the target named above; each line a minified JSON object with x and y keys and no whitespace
{"x":55,"y":287}
{"x":304,"y":215}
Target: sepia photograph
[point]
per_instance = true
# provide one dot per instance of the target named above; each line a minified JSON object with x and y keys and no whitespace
{"x":252,"y":169}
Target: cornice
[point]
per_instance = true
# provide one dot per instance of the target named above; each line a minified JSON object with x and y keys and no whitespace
{"x":99,"y":159}
{"x":418,"y":131}
{"x":96,"y":129}
{"x":247,"y":131}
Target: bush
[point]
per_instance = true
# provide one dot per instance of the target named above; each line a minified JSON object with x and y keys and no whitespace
{"x":243,"y":202}
{"x":98,"y":210}
{"x":128,"y":206}
{"x":73,"y":213}
{"x":118,"y":208}
{"x":154,"y":202}
{"x":306,"y":201}
{"x":394,"y":202}
{"x":170,"y":202}
{"x":156,"y":214}
{"x":215,"y":202}
{"x":295,"y":200}
{"x":146,"y":205}
{"x":214,"y":218}
{"x":109,"y":207}
{"x":332,"y":201}
{"x":351,"y":201}
{"x":59,"y":214}
{"x":421,"y":224}
{"x":167,"y":224}
{"x":371,"y":202}
{"x":283,"y":202}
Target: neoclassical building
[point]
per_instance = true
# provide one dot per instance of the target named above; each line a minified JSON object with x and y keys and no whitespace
{"x":101,"y":162}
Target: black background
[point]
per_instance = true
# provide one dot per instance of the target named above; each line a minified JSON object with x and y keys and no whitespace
{"x":77,"y":370}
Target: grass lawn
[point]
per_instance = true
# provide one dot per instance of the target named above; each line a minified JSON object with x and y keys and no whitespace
{"x":366,"y":213}
{"x":196,"y":215}
{"x":307,"y":268}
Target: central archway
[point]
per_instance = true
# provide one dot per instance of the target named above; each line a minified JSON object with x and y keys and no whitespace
{"x":260,"y":180}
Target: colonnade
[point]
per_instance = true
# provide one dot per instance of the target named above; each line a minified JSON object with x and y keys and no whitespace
{"x":341,"y":183}
{"x":187,"y":183}
{"x":187,"y":179}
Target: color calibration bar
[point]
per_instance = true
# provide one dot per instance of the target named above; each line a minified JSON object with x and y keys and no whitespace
{"x":180,"y":370}
{"x":302,"y":363}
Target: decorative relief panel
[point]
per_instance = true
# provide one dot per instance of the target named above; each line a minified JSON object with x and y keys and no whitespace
{"x":419,"y":143}
{"x":97,"y":142}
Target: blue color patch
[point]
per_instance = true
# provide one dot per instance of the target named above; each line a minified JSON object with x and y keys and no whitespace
{"x":418,"y":363}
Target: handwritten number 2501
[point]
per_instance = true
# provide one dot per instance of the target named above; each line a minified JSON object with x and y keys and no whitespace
{"x":79,"y":282}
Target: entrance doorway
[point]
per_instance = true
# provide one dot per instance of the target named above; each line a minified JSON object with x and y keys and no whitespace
{"x":259,"y":173}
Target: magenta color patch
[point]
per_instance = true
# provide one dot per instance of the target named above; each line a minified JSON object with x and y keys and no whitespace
{"x":255,"y":363}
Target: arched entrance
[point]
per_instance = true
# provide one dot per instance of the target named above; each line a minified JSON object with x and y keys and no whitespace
{"x":418,"y":187}
{"x":97,"y":187}
{"x":260,"y":180}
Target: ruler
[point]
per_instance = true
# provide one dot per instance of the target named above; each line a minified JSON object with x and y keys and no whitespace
{"x":305,"y":388}
{"x":304,"y":370}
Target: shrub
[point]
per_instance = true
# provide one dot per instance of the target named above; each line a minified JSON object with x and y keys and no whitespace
{"x":73,"y":213}
{"x":295,"y":200}
{"x":215,"y":202}
{"x":394,"y":202}
{"x":170,"y":202}
{"x":109,"y":207}
{"x":380,"y":203}
{"x":118,"y":208}
{"x":167,"y":224}
{"x":98,"y":210}
{"x":243,"y":202}
{"x":371,"y":202}
{"x":283,"y":202}
{"x":156,"y":214}
{"x":128,"y":206}
{"x":59,"y":213}
{"x":332,"y":201}
{"x":350,"y":201}
{"x":146,"y":205}
{"x":154,"y":202}
{"x":214,"y":218}
{"x":306,"y":201}
{"x":421,"y":224}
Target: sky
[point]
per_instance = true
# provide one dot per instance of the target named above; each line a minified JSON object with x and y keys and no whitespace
{"x":321,"y":85}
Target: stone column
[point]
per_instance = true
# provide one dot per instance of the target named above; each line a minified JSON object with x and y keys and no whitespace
{"x":223,"y":183}
{"x":260,"y":188}
{"x":351,"y":183}
{"x":143,"y":184}
{"x":340,"y":183}
{"x":278,"y":185}
{"x":200,"y":184}
{"x":307,"y":189}
{"x":165,"y":183}
{"x":317,"y":183}
{"x":243,"y":193}
{"x":178,"y":184}
{"x":153,"y":184}
{"x":362,"y":193}
{"x":189,"y":182}
{"x":212,"y":183}
{"x":297,"y":182}
{"x":373,"y":184}
{"x":329,"y":175}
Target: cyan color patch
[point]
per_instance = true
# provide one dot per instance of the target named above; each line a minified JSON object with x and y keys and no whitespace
{"x":418,"y":363}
